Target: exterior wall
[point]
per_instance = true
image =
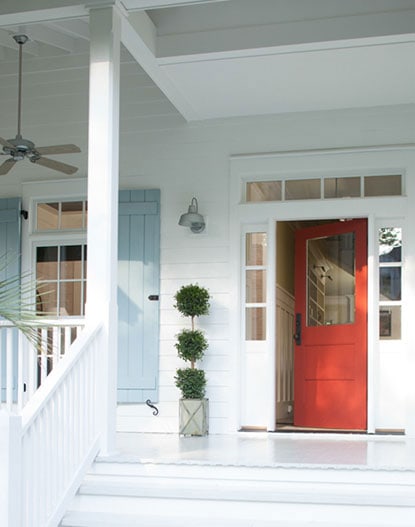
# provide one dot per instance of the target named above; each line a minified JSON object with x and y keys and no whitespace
{"x":194,"y":160}
{"x":186,"y":160}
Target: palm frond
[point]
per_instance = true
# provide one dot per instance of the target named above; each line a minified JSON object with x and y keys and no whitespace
{"x":17,"y":305}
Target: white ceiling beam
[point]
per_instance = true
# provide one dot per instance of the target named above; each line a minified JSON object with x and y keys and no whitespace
{"x":16,"y":17}
{"x":131,"y":5}
{"x":42,"y":33}
{"x":142,"y":49}
{"x":73,"y":28}
{"x":287,"y":33}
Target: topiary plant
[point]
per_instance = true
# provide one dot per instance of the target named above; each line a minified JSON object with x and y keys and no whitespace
{"x":191,"y":301}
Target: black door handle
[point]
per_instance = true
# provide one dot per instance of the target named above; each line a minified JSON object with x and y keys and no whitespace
{"x":153,"y":297}
{"x":297,"y":334}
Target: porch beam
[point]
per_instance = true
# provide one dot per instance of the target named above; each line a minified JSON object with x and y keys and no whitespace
{"x":138,"y":36}
{"x":103,"y":154}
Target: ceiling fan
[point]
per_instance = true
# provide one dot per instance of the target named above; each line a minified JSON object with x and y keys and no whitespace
{"x":19,"y":147}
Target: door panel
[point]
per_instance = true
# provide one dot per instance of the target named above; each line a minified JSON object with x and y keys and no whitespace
{"x":331,"y":340}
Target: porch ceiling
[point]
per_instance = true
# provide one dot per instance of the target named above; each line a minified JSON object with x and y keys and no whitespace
{"x":213,"y":59}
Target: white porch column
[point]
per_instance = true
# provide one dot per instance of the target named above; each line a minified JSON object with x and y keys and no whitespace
{"x":104,"y":80}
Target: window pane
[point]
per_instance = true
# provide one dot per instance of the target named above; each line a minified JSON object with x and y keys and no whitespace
{"x":390,"y":323}
{"x":71,"y":262}
{"x":390,"y":283}
{"x":263,"y":191}
{"x":47,"y":263}
{"x":70,"y":299}
{"x":256,"y":286}
{"x":47,"y":298}
{"x":302,"y":189}
{"x":342,"y":187}
{"x":383,"y":185}
{"x":72,"y":215}
{"x":47,"y":216}
{"x":390,"y":244}
{"x":331,"y":280}
{"x":85,"y":255}
{"x":255,"y":323}
{"x":256,"y":248}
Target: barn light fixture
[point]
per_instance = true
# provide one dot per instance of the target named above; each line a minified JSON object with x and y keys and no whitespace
{"x":192,"y":218}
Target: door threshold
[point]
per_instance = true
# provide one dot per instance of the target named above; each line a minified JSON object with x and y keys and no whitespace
{"x":284,"y":428}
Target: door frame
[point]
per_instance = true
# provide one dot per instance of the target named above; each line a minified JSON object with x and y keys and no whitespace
{"x":303,"y":165}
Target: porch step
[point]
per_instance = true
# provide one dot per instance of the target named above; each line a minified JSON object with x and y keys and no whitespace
{"x":136,"y":494}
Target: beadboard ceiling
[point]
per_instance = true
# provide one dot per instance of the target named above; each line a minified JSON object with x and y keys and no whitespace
{"x":208,"y":60}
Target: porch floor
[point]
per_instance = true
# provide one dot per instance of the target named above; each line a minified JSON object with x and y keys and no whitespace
{"x":256,"y":449}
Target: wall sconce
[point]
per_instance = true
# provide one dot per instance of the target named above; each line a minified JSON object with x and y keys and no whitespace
{"x":192,"y":218}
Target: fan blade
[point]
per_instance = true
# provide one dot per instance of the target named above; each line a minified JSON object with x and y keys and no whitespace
{"x":58,"y":149}
{"x":55,"y":165}
{"x":7,"y":166}
{"x":6,"y":143}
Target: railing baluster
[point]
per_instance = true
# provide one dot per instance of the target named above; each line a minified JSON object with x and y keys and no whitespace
{"x":9,"y":370}
{"x":60,"y":429}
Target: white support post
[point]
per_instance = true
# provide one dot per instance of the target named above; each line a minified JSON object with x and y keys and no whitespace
{"x":10,"y":469}
{"x":103,"y":153}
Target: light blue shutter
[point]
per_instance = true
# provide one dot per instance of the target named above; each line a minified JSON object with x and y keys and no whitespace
{"x":9,"y":252}
{"x":138,"y":279}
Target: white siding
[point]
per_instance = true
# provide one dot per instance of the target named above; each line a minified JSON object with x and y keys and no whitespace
{"x":159,"y":150}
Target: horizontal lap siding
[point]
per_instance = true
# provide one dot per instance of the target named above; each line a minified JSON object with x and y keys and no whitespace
{"x":189,"y":258}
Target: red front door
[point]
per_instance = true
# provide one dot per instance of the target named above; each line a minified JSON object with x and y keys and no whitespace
{"x":330,"y":380}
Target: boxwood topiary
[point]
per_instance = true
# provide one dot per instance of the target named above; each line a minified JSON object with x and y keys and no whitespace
{"x":191,"y":301}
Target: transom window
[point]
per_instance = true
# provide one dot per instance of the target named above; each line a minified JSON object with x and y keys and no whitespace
{"x":61,"y":215}
{"x":323,"y":188}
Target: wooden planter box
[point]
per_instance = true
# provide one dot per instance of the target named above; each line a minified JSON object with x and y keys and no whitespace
{"x":194,"y":417}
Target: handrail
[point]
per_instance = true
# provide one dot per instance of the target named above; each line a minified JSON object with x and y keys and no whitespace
{"x":60,"y":432}
{"x":46,"y":390}
{"x":24,"y":367}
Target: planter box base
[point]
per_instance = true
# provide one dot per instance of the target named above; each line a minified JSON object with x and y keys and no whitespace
{"x":194,"y":417}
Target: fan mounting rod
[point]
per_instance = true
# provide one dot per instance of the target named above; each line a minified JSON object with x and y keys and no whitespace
{"x":20,"y":39}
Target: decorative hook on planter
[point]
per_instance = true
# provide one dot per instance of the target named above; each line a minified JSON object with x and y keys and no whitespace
{"x":151,"y":405}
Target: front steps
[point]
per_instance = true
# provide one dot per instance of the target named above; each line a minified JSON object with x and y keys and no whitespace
{"x":120,"y":493}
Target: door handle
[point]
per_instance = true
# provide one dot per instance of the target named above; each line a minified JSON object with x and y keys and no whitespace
{"x":297,"y":334}
{"x":153,"y":297}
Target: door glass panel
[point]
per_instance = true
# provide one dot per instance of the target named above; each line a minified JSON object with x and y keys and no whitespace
{"x":71,"y":262}
{"x":390,"y":283}
{"x":70,"y":299}
{"x":390,"y":244}
{"x":390,"y":322}
{"x":256,"y":248}
{"x":256,"y":286}
{"x":331,"y":280}
{"x":47,"y":263}
{"x":255,"y":323}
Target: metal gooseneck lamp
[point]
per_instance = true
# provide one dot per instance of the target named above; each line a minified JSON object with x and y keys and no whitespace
{"x":192,"y":218}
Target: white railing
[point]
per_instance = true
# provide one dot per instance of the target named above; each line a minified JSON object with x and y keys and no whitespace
{"x":23,"y":368}
{"x":46,"y":448}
